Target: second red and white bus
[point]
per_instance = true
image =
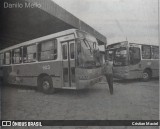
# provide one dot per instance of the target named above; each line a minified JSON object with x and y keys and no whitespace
{"x":134,"y":60}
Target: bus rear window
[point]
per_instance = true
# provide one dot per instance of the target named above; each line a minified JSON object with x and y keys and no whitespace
{"x":48,"y":50}
{"x":146,"y":52}
{"x":7,"y":60}
{"x":155,"y":52}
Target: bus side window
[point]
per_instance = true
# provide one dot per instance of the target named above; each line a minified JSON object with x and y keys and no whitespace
{"x":78,"y":47}
{"x":72,"y":51}
{"x":155,"y":52}
{"x":29,"y":53}
{"x":64,"y":49}
{"x":48,"y":50}
{"x":17,"y":56}
{"x":7,"y":60}
{"x":1,"y":59}
{"x":134,"y":54}
{"x":146,"y":52}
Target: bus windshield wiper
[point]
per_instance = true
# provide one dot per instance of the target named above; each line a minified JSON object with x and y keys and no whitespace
{"x":87,"y":44}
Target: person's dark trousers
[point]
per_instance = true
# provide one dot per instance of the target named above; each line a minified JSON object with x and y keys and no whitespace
{"x":109,"y":78}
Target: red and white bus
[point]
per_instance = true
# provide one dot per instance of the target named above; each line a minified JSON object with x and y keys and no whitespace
{"x":61,"y":60}
{"x":133,"y":60}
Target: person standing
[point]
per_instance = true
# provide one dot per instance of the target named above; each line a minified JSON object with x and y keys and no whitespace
{"x":107,"y":70}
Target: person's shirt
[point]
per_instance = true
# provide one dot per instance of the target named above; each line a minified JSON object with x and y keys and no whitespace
{"x":107,"y":68}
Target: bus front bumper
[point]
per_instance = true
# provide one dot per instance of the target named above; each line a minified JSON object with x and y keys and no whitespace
{"x":82,"y":84}
{"x":121,"y":75}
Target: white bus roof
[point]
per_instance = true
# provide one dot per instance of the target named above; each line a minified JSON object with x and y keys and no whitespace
{"x":144,"y":44}
{"x":134,"y":43}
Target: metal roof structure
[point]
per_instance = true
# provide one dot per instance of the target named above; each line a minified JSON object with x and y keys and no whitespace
{"x":19,"y":24}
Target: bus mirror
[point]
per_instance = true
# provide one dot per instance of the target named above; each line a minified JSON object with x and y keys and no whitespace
{"x":94,"y":45}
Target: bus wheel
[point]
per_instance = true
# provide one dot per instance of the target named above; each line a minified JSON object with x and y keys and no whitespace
{"x":146,"y":75}
{"x":47,"y":85}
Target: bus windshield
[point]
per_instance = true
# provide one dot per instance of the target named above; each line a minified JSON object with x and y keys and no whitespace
{"x":120,"y":57}
{"x":110,"y":54}
{"x":88,"y":55}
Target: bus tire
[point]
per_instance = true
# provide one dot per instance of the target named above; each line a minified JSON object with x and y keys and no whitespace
{"x":46,"y":85}
{"x":146,"y":75}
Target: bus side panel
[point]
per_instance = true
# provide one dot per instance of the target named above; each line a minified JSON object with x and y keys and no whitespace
{"x":135,"y":71}
{"x":155,"y":67}
{"x":127,"y":72}
{"x":6,"y":70}
{"x":28,"y":81}
{"x":27,"y":74}
{"x":151,"y":64}
{"x":57,"y":77}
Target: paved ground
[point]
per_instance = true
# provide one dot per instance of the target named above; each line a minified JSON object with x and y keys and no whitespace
{"x":131,"y":100}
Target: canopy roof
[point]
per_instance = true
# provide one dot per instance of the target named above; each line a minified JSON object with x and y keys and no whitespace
{"x":22,"y":24}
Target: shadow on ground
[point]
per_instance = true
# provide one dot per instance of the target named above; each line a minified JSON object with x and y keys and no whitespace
{"x":132,"y":80}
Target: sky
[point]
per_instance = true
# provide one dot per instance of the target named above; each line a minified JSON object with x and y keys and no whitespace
{"x":118,"y":20}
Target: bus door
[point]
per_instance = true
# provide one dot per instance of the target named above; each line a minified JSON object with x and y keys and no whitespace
{"x":68,"y":59}
{"x":135,"y":62}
